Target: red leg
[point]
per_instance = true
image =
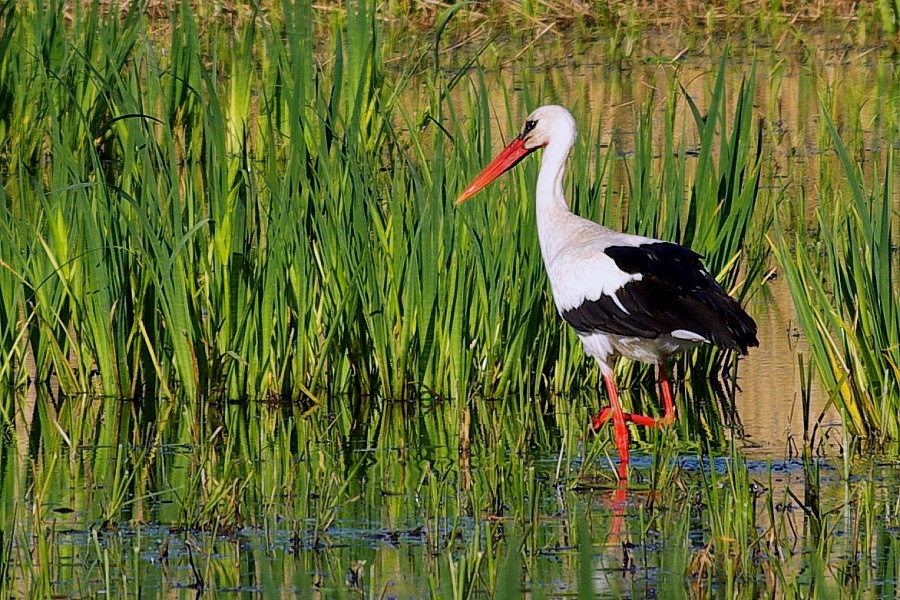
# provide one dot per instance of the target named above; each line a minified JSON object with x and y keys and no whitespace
{"x":619,"y":428}
{"x":666,"y":394}
{"x":620,"y":417}
{"x":603,"y":416}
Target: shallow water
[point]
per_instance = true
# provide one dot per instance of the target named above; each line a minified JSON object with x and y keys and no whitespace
{"x":402,"y":523}
{"x":770,"y":400}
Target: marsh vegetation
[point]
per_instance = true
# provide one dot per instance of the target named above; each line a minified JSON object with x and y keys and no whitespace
{"x":248,"y":346}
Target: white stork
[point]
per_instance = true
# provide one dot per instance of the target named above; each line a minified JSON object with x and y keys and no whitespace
{"x":625,"y":295}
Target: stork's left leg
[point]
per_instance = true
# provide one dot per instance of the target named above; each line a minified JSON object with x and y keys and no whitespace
{"x":618,"y":416}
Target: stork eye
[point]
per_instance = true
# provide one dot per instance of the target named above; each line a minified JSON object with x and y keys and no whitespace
{"x":529,"y":125}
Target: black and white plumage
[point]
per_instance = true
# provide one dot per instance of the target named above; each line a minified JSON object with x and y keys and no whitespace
{"x":673,"y":295}
{"x":625,"y":295}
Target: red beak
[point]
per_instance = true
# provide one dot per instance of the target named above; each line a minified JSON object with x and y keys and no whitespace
{"x":506,"y":160}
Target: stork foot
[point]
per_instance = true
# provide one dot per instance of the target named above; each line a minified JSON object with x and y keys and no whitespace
{"x":606,"y":414}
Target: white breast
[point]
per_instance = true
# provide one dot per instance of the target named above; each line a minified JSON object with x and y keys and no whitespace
{"x":577,"y":267}
{"x":573,"y":281}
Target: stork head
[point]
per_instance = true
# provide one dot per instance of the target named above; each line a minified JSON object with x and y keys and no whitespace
{"x":545,"y":126}
{"x":548,"y":124}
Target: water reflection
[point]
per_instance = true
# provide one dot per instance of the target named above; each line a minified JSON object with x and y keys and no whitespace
{"x":338,"y":501}
{"x":769,"y":402}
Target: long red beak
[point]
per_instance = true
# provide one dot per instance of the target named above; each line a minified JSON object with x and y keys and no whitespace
{"x":506,"y":160}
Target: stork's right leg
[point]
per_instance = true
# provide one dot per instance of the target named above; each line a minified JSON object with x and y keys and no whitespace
{"x":666,"y":394}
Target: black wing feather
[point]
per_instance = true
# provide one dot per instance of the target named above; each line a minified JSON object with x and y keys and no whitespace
{"x":674,"y":292}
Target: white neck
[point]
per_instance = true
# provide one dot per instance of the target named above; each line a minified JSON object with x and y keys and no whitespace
{"x":550,"y":202}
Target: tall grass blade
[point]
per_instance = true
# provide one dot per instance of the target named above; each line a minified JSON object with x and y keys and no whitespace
{"x":846,"y":296}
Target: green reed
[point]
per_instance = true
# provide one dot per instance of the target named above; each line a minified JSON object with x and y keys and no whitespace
{"x":235,"y":218}
{"x":224,"y":214}
{"x":844,"y":283}
{"x":720,"y":213}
